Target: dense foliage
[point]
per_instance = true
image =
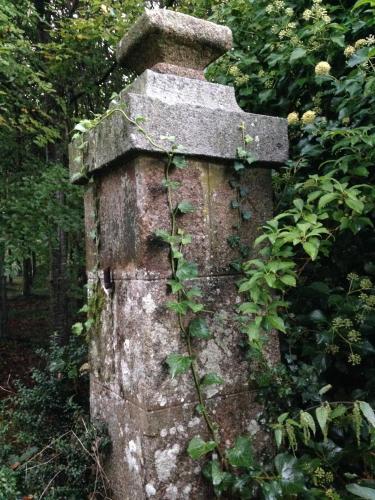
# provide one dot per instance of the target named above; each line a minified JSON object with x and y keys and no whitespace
{"x":309,"y":61}
{"x":48,"y":447}
{"x":313,"y":63}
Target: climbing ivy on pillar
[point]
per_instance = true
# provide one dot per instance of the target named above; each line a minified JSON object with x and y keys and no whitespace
{"x":169,"y":376}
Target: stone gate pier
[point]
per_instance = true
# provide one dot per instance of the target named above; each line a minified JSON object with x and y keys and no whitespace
{"x":150,"y":416}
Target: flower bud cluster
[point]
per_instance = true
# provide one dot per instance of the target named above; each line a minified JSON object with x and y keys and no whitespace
{"x":317,"y":13}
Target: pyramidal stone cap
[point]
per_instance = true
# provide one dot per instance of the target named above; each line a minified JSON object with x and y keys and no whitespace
{"x":170,"y":42}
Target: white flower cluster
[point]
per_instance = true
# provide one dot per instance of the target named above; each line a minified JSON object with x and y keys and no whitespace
{"x":278,"y":6}
{"x":307,"y":118}
{"x":362,"y":42}
{"x":322,"y":68}
{"x":317,"y":12}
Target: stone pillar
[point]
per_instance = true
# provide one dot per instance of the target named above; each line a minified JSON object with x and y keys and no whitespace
{"x":150,"y":416}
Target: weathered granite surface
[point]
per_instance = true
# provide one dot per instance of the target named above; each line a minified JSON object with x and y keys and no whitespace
{"x":203,"y":117}
{"x":133,"y":205}
{"x":176,"y":41}
{"x":149,"y":458}
{"x":151,"y":417}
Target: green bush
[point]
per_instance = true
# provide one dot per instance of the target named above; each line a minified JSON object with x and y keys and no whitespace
{"x":47,"y":444}
{"x":313,"y":63}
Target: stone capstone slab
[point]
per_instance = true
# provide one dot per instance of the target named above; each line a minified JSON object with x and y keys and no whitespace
{"x":174,"y":39}
{"x":203,"y":118}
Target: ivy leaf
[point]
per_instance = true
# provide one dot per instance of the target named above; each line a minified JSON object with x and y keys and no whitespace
{"x":196,"y":307}
{"x":246,"y":214}
{"x":80,"y":127}
{"x":177,"y":307}
{"x":77,"y":328}
{"x":198,"y":448}
{"x":198,"y":329}
{"x":178,"y":364}
{"x":241,"y":455}
{"x":238,"y":165}
{"x":339,"y":40}
{"x":185,"y":207}
{"x":175,"y":286}
{"x":186,"y":270}
{"x":179,"y":161}
{"x":361,"y":491}
{"x":368,"y":412}
{"x":211,"y":379}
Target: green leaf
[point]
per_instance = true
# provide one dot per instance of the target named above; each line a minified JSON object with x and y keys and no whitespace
{"x":311,"y":248}
{"x":288,"y":279}
{"x":241,"y":455}
{"x":211,"y":379}
{"x":361,"y":491}
{"x":246,"y":214}
{"x":248,"y":308}
{"x":178,"y":364}
{"x":185,"y":207}
{"x":297,"y":53}
{"x":360,"y":3}
{"x":276,"y":322}
{"x":322,"y":414}
{"x":198,"y":448}
{"x":177,"y":307}
{"x":186,"y":270}
{"x":196,"y":307}
{"x":355,"y":205}
{"x":368,"y":412}
{"x":80,"y":127}
{"x":175,"y":286}
{"x":338,"y":40}
{"x":179,"y":161}
{"x":325,"y":389}
{"x":238,"y":165}
{"x":77,"y":328}
{"x":198,"y":328}
{"x":309,"y":420}
{"x":278,"y":436}
{"x":326,"y":199}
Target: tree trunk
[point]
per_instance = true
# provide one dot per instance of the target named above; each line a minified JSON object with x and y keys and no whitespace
{"x":59,"y":284}
{"x":3,"y":296}
{"x":27,"y":272}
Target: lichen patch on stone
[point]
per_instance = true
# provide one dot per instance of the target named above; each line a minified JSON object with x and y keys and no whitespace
{"x":166,"y":462}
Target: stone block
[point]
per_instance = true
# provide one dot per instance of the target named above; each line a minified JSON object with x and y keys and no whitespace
{"x":149,"y":458}
{"x":213,"y":132}
{"x":133,"y":205}
{"x":175,"y":40}
{"x":139,"y":332}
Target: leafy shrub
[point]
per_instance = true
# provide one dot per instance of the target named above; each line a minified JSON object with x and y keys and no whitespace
{"x":314,"y":64}
{"x":47,"y":444}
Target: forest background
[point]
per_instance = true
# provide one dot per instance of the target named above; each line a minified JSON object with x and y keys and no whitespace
{"x":309,"y":61}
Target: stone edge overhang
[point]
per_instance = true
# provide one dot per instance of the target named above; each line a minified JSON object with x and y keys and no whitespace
{"x":213,"y":134}
{"x":181,"y":28}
